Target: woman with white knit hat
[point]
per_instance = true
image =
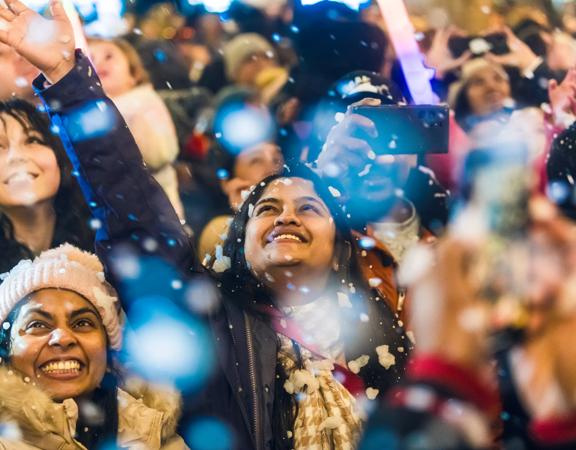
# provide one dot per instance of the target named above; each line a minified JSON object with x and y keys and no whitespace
{"x":61,"y":324}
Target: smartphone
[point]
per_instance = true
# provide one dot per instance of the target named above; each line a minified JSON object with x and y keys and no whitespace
{"x":407,"y":129}
{"x":479,"y":45}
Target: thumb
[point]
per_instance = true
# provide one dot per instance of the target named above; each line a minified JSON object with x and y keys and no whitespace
{"x":552,"y":85}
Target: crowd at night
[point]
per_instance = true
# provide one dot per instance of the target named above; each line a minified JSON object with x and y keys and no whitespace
{"x":287,"y":224}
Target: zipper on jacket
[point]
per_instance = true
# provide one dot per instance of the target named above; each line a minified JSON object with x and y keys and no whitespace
{"x":257,"y":422}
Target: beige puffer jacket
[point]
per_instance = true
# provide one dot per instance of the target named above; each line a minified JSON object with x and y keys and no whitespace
{"x":31,"y":420}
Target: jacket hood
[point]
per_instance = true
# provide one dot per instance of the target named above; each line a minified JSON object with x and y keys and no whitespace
{"x":147,"y":414}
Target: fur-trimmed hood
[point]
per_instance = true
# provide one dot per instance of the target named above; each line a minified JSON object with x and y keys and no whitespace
{"x":147,"y":416}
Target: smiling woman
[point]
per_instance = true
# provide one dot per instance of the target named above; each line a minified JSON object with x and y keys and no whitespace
{"x":36,"y":188}
{"x":61,"y":327}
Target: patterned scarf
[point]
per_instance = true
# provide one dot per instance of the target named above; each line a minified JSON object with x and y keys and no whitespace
{"x":327,"y":418}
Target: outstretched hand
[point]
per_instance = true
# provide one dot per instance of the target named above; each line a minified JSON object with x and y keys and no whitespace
{"x":48,"y":44}
{"x":439,"y":56}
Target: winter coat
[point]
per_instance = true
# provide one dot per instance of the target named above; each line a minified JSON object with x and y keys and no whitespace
{"x":151,"y":124}
{"x":73,"y":229}
{"x":147,"y":418}
{"x":134,"y":212}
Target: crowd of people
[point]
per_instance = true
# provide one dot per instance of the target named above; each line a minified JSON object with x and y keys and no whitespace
{"x":207,"y":242}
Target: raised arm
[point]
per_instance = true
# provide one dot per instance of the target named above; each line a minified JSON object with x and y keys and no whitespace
{"x":130,"y":207}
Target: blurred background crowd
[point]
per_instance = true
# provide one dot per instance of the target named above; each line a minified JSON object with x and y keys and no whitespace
{"x":219,"y":95}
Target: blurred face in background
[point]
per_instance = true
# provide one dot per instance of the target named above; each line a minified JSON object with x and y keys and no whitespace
{"x":256,"y":163}
{"x":112,"y":67}
{"x":252,"y":66}
{"x":29,"y":171}
{"x":252,"y":166}
{"x":487,"y":91}
{"x":16,"y":75}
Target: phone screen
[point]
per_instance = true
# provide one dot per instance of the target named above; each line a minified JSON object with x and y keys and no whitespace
{"x":408,"y":129}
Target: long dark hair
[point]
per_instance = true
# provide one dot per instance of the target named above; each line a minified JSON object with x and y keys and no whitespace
{"x":97,"y":414}
{"x":71,"y":211}
{"x":239,"y":283}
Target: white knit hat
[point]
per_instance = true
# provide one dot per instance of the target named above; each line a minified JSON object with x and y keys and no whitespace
{"x":242,"y":47}
{"x":65,"y":267}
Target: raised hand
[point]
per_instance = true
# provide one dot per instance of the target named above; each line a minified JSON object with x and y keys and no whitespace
{"x":520,"y":55}
{"x":344,"y":155}
{"x":439,"y":56}
{"x":48,"y":44}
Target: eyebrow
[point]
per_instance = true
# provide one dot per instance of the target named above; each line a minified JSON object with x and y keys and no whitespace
{"x":49,"y":316}
{"x":299,"y":199}
{"x":314,"y":200}
{"x":81,"y":311}
{"x":268,"y":200}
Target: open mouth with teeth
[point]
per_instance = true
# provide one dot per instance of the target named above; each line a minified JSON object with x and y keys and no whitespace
{"x":69,"y":368}
{"x":287,"y":237}
{"x":20,"y":177}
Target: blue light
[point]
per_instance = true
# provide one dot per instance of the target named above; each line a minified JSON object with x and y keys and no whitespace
{"x":352,"y":4}
{"x":167,"y":346}
{"x":93,"y":120}
{"x":240,"y":126}
{"x":209,"y":434}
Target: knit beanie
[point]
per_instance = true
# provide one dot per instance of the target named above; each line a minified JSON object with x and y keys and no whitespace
{"x":469,"y":69}
{"x":65,"y":267}
{"x":242,"y":47}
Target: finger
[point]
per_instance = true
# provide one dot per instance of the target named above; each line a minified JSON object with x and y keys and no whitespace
{"x":16,"y":6}
{"x":354,"y":122}
{"x":6,"y":14}
{"x":368,"y":101}
{"x":463,"y":58}
{"x":503,"y":60}
{"x":57,"y":9}
{"x":552,"y":85}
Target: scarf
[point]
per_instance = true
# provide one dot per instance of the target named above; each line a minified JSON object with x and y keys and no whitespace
{"x":327,"y":416}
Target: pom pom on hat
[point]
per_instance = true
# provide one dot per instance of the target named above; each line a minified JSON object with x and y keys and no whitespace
{"x":65,"y":267}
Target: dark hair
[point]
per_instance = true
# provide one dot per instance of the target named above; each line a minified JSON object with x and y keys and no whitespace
{"x":239,"y":282}
{"x":92,"y":430}
{"x":71,"y":220}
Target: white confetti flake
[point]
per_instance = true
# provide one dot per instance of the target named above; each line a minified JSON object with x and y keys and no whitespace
{"x":385,"y":358}
{"x":335,"y":192}
{"x":372,"y":393}
{"x":356,"y":365}
{"x":343,"y":300}
{"x":375,"y":282}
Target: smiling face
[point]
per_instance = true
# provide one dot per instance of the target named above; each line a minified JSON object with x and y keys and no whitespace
{"x":291,"y":229}
{"x":29,"y":172}
{"x":487,"y":91}
{"x":58,"y":341}
{"x":112,"y":67}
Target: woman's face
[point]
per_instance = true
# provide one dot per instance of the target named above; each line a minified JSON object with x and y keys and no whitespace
{"x":256,"y":163}
{"x":112,"y":67}
{"x":487,"y":91}
{"x":29,"y":172}
{"x":59,"y":342}
{"x":290,"y":227}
